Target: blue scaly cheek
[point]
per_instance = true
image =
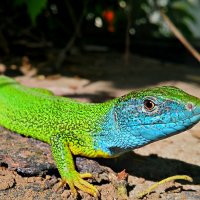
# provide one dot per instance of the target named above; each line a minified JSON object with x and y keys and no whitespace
{"x":150,"y":132}
{"x":158,"y":131}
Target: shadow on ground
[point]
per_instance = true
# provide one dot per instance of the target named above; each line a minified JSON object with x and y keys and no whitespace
{"x":152,"y":167}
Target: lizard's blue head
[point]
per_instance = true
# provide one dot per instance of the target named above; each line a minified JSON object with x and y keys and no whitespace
{"x":151,"y":114}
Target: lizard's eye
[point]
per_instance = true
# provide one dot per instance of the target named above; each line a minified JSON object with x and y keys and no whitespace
{"x":149,"y":105}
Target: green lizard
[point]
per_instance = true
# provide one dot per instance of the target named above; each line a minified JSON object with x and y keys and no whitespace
{"x":94,"y":130}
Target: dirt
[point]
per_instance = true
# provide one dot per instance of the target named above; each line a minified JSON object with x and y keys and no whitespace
{"x":28,"y":171}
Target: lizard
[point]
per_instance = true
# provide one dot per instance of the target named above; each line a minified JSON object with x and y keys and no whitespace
{"x":106,"y":129}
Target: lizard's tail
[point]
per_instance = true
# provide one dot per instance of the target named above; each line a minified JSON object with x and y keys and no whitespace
{"x":5,"y":80}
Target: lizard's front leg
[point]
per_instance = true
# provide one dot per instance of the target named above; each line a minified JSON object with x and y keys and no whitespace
{"x":64,"y":161}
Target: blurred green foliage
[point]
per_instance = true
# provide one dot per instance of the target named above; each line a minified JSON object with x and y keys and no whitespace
{"x":34,"y":7}
{"x":52,"y":23}
{"x":184,"y":13}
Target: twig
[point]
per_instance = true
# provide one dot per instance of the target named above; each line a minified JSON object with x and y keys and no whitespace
{"x":127,"y":36}
{"x":180,"y":36}
{"x":61,"y":56}
{"x":71,"y":13}
{"x":41,"y":44}
{"x":4,"y":43}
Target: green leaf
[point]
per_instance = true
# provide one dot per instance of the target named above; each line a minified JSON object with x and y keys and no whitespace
{"x":35,"y":7}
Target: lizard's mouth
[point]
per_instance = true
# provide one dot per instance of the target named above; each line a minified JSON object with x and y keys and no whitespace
{"x":163,"y":130}
{"x":188,"y":120}
{"x":176,"y":126}
{"x":184,"y":124}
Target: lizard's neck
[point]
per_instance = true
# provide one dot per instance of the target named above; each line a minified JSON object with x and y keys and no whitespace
{"x":114,"y":141}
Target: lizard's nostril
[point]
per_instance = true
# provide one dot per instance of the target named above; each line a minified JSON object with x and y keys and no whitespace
{"x":190,"y":106}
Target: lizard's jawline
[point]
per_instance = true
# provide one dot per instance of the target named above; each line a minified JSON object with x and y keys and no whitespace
{"x":162,"y":137}
{"x":119,"y":150}
{"x":178,"y":121}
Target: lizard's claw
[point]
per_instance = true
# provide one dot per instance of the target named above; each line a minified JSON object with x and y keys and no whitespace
{"x":76,"y":180}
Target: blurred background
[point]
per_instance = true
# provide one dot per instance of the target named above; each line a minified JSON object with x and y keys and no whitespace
{"x":132,"y":43}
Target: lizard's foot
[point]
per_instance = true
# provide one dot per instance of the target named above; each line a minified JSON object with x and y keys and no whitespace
{"x":150,"y":189}
{"x":76,"y":180}
{"x":86,"y":175}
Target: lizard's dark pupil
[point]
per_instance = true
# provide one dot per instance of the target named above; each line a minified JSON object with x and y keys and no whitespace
{"x":148,"y":104}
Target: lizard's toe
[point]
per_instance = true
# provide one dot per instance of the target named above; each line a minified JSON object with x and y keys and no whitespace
{"x":71,"y":186}
{"x":76,"y":180}
{"x":86,"y":187}
{"x":86,"y":175}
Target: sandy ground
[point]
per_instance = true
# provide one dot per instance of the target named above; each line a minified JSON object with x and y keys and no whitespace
{"x":28,"y":171}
